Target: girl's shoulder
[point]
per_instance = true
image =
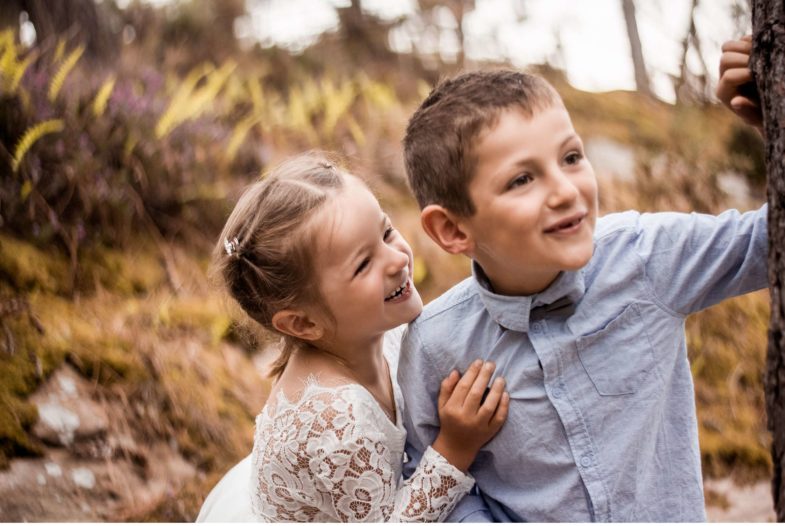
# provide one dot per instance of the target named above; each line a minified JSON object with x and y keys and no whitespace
{"x":323,"y":402}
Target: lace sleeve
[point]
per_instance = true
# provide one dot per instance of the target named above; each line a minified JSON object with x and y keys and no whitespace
{"x":329,"y":459}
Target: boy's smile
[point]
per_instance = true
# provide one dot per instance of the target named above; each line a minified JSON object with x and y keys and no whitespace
{"x":535,"y":196}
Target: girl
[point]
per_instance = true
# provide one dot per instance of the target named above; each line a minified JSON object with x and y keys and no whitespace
{"x":308,"y":253}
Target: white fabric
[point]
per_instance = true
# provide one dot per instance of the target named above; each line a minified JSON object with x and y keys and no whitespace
{"x":230,"y":499}
{"x":334,"y":455}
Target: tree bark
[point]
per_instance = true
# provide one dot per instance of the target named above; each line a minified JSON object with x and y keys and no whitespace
{"x":768,"y":67}
{"x":641,"y":76}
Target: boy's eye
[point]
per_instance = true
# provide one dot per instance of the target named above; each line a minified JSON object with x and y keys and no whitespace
{"x":520,"y":180}
{"x":387,"y":233}
{"x":362,"y":266}
{"x":573,"y":158}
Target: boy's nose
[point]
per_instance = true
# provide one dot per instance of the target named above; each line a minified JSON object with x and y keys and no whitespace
{"x":562,"y":191}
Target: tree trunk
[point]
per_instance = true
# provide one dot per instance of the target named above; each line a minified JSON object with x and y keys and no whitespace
{"x":768,"y":66}
{"x":641,"y":77}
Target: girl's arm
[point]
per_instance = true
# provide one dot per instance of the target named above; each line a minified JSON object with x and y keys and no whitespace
{"x":331,"y":460}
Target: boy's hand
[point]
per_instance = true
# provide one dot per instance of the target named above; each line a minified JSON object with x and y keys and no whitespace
{"x":467,"y":415}
{"x":736,"y":88}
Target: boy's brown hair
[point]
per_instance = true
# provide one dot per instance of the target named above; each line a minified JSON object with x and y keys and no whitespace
{"x":441,"y":135}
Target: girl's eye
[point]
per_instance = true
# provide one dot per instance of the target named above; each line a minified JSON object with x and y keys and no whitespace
{"x":521,"y":180}
{"x":362,"y":266}
{"x":573,"y":158}
{"x":387,"y":233}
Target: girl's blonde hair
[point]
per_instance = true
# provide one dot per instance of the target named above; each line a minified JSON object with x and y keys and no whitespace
{"x":265,"y":255}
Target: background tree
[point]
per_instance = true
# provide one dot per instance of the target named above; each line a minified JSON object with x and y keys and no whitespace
{"x":768,"y":66}
{"x":641,"y":76}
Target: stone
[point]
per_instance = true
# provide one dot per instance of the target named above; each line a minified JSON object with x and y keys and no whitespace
{"x":67,"y":412}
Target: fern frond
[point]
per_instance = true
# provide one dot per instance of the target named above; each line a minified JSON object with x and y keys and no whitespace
{"x":255,"y":90}
{"x":62,"y":73}
{"x":102,"y":97}
{"x":31,"y":135}
{"x":171,"y":117}
{"x":238,"y":135}
{"x":59,"y":50}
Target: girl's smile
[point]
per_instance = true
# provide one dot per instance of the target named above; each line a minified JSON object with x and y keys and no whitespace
{"x":365,"y":268}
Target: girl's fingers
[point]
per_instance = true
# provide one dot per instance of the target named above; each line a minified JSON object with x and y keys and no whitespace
{"x":488,"y":407}
{"x":466,"y":381}
{"x":500,"y":416}
{"x":448,"y":386}
{"x":475,"y":394}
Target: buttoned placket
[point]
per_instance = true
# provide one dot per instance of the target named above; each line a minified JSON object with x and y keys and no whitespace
{"x":575,"y":428}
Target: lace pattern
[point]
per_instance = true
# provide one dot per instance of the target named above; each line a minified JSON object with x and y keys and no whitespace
{"x":335,"y":456}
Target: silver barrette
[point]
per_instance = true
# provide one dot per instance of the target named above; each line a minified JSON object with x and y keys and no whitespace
{"x":231,"y":246}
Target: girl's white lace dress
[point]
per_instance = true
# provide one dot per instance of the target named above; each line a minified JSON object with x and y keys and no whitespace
{"x":334,"y":455}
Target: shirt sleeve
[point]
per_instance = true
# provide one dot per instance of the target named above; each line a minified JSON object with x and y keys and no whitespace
{"x":693,"y":261}
{"x":419,"y":385}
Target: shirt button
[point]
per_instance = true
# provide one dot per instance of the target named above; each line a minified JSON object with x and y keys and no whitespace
{"x":586,"y":461}
{"x":536,"y":327}
{"x":557,"y":392}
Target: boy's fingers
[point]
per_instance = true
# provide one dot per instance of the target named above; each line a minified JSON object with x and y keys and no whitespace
{"x":447,"y":387}
{"x":731,"y":80}
{"x":741,"y":46}
{"x":466,"y":381}
{"x":474,"y":397}
{"x":488,"y":407}
{"x":730,"y":60}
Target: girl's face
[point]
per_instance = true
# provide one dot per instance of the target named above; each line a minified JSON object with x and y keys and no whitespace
{"x":364,"y":266}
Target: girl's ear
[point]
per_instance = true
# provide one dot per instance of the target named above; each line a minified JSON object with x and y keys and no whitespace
{"x":298,"y":324}
{"x":446,"y":230}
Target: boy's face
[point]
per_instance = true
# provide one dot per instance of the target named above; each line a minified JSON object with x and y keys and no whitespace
{"x":535,"y":197}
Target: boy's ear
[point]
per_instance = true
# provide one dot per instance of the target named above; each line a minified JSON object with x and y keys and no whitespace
{"x":298,"y":324}
{"x":446,"y":230}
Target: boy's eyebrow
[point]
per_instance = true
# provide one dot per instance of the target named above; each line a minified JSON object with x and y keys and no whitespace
{"x":526,"y":160}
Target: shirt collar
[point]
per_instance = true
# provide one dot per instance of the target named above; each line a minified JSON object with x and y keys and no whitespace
{"x":514,"y":312}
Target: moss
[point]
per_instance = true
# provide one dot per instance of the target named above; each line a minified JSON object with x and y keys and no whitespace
{"x":27,"y":268}
{"x":133,"y":271}
{"x":195,"y":313}
{"x":727,"y":346}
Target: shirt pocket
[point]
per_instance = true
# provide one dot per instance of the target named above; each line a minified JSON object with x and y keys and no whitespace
{"x":618,"y":357}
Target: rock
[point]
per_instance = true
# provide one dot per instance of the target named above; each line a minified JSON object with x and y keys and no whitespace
{"x":67,"y":412}
{"x":83,"y":477}
{"x":611,"y":158}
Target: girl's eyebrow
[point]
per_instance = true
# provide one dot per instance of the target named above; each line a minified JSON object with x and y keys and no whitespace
{"x":359,"y":251}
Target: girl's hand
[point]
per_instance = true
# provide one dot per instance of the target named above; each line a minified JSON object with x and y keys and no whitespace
{"x":736,"y":89}
{"x":468,"y":417}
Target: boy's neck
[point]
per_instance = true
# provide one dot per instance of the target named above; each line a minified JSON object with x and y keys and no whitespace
{"x":505,"y":285}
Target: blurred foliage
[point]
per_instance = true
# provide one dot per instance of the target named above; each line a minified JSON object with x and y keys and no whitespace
{"x":117,"y":177}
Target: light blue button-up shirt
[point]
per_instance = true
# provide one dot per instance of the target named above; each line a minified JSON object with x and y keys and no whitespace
{"x":602,"y":422}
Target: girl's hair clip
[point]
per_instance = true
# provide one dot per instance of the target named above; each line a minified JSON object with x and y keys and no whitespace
{"x":232,"y":246}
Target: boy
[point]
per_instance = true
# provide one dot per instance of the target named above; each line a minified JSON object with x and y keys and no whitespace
{"x":584,"y":317}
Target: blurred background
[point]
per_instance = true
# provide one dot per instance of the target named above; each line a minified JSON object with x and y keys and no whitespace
{"x":128,"y":128}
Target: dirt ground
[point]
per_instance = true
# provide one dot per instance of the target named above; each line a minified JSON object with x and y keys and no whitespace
{"x":748,"y":503}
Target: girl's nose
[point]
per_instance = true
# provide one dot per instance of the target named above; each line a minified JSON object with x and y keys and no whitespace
{"x":397,"y":260}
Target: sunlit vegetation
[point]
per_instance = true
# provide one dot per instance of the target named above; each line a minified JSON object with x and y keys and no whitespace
{"x":117,"y":177}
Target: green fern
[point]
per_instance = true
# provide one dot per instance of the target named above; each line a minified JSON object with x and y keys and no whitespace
{"x":102,"y":97}
{"x":62,"y":73}
{"x":31,"y":135}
